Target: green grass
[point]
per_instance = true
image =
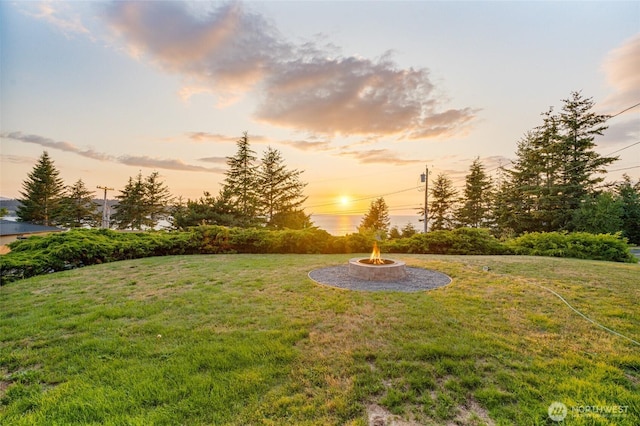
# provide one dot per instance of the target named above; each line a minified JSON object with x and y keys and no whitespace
{"x":250,"y":339}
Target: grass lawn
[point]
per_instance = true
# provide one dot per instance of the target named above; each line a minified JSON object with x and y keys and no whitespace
{"x":250,"y":339}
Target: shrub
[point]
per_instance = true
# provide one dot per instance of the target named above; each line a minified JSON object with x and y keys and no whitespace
{"x":458,"y":241}
{"x":82,"y":247}
{"x":580,"y":245}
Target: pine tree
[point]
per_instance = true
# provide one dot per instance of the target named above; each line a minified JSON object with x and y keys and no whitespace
{"x":443,"y":200}
{"x":409,"y":230}
{"x":157,"y":199}
{"x":142,"y":203}
{"x":240,"y":183}
{"x":78,"y":207}
{"x":130,"y":210}
{"x":477,"y":200}
{"x":581,"y":165}
{"x":555,"y":172}
{"x":600,"y":214}
{"x":207,"y":210}
{"x":40,"y":202}
{"x":629,"y":195}
{"x":280,"y":189}
{"x":377,"y":219}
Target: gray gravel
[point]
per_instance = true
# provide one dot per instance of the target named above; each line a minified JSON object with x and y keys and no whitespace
{"x":417,"y":279}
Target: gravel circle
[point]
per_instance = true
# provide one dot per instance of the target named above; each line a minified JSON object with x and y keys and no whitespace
{"x":417,"y":279}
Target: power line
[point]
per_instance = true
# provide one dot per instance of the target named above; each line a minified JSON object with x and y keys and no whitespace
{"x":622,"y":149}
{"x":488,"y":171}
{"x":626,"y":168}
{"x":623,"y":111}
{"x":413,"y":188}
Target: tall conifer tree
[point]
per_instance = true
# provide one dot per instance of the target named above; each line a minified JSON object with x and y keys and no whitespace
{"x":78,"y":207}
{"x":40,"y":202}
{"x":443,"y":199}
{"x":477,"y":199}
{"x":241,"y":183}
{"x":377,"y":219}
{"x":280,"y":188}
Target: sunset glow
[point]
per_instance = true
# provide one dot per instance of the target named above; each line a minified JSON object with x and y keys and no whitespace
{"x":357,"y":95}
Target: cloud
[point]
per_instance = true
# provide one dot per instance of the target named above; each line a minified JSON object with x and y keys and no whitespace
{"x":308,"y":145}
{"x":380,"y":156}
{"x":228,"y":50}
{"x":141,"y":161}
{"x":232,"y":52}
{"x":59,"y":145}
{"x":217,"y":160}
{"x":621,"y":68}
{"x":220,"y":138}
{"x":167,"y":164}
{"x":16,"y":159}
{"x":59,"y":15}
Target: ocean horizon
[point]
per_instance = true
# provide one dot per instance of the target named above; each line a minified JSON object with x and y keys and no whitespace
{"x":342,"y":224}
{"x":335,"y":224}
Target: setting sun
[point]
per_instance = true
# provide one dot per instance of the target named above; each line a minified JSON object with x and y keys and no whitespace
{"x":344,"y":200}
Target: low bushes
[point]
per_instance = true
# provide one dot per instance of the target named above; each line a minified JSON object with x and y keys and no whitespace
{"x":579,"y":245}
{"x":458,"y":241}
{"x":76,"y":248}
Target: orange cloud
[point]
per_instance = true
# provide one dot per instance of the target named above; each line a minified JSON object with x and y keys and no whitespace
{"x":141,"y":161}
{"x":622,"y":68}
{"x":380,"y":156}
{"x":232,"y":51}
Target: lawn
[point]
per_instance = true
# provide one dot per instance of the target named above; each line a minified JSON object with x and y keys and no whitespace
{"x":250,"y":339}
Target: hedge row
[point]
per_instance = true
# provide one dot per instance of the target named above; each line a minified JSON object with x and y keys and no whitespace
{"x":77,"y":248}
{"x":579,"y":245}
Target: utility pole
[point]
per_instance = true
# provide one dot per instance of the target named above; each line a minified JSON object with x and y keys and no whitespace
{"x":424,"y":177}
{"x":106,"y":217}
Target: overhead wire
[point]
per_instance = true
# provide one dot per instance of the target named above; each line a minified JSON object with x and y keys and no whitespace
{"x":462,"y":179}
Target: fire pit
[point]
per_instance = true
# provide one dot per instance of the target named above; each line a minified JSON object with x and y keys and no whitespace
{"x":375,"y":268}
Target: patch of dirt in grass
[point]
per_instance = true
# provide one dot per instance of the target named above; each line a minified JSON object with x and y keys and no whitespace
{"x":472,"y":414}
{"x":379,"y":416}
{"x":4,"y":250}
{"x":3,"y":387}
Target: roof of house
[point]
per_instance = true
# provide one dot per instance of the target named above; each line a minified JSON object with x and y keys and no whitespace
{"x":9,"y":227}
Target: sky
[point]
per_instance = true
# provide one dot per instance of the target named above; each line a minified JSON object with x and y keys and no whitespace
{"x":361,"y":96}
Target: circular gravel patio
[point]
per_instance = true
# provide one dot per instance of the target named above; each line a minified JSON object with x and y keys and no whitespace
{"x":417,"y":279}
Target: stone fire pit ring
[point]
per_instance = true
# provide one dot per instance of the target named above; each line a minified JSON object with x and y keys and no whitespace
{"x":389,"y":270}
{"x":415,"y":279}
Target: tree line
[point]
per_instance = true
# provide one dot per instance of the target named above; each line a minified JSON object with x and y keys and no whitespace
{"x":554,"y":184}
{"x":254,"y":193}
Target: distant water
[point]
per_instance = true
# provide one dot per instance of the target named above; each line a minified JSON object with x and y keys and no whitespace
{"x":334,"y":224}
{"x":348,"y":224}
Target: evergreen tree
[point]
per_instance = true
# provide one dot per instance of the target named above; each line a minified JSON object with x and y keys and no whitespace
{"x":142,"y":203}
{"x":130,"y":210}
{"x":394,"y":233}
{"x":555,"y":170}
{"x":40,"y":202}
{"x":409,"y":230}
{"x":477,"y":200}
{"x":292,"y":219}
{"x":241,"y":183}
{"x":580,"y":165}
{"x":443,"y":200}
{"x":377,"y":219}
{"x":629,"y":196}
{"x":157,"y":199}
{"x":78,"y":207}
{"x":601,"y":214}
{"x":280,"y":189}
{"x":207,"y":210}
